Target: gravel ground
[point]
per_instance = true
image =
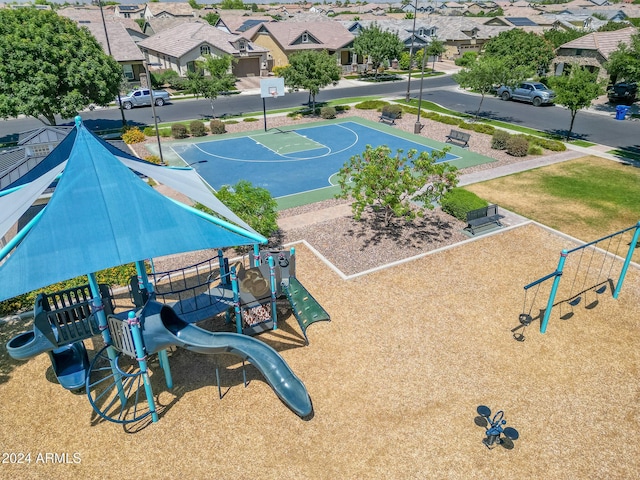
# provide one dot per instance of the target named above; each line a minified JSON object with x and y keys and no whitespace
{"x":358,"y":246}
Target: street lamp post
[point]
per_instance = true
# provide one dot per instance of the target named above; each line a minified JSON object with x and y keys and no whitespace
{"x":106,"y":36}
{"x":413,"y":35}
{"x":153,"y":109}
{"x":417,"y":128}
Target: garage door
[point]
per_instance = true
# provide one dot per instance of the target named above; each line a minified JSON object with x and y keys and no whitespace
{"x":247,"y":67}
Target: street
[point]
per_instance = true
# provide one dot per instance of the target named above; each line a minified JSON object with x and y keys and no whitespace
{"x":592,"y":127}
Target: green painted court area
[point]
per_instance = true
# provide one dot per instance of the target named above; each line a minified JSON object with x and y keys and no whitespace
{"x":286,"y":142}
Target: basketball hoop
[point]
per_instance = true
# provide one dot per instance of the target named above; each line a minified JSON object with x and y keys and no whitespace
{"x":273,"y":91}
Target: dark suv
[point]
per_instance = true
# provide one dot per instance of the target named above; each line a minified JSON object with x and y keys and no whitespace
{"x":623,"y":92}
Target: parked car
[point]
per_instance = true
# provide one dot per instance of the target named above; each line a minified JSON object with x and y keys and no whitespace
{"x":137,"y":98}
{"x":533,"y":92}
{"x":623,"y":92}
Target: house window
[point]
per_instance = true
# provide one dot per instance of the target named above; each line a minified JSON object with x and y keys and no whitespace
{"x":305,"y":38}
{"x":128,"y":71}
{"x":127,"y":15}
{"x":242,"y":46}
{"x":205,"y":50}
{"x":578,"y":52}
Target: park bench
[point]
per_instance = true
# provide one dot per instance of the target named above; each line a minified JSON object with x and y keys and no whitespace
{"x":459,"y":138}
{"x":483,"y":216}
{"x":388,"y":118}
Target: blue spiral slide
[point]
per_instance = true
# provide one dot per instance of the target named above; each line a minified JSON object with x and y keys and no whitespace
{"x":163,"y":328}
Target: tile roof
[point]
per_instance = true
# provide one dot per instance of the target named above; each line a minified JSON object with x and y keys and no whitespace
{"x":183,"y":38}
{"x":603,"y":42}
{"x":332,"y":35}
{"x":181,"y":9}
{"x":123,"y":46}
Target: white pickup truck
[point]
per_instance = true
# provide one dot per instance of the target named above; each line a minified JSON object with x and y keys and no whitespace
{"x":137,"y":98}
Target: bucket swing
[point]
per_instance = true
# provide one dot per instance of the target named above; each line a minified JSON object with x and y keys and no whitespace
{"x":525,"y":317}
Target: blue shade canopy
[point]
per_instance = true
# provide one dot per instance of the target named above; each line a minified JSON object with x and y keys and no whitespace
{"x":102,"y":215}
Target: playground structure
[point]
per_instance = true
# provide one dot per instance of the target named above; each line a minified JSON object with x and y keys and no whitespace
{"x":101,"y":185}
{"x":495,"y":428}
{"x":246,"y":292}
{"x":596,"y":277}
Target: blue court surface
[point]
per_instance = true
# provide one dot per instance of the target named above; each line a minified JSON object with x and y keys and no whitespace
{"x":291,"y":162}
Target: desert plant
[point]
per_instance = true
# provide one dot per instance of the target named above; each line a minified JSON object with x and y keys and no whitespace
{"x":153,"y":159}
{"x":392,"y":110}
{"x":458,"y":201}
{"x":535,"y":150}
{"x":133,"y":135}
{"x":197,"y":128}
{"x":499,"y":140}
{"x":483,"y":128}
{"x":371,"y":105}
{"x":328,"y":112}
{"x":149,"y":131}
{"x":217,"y":127}
{"x":517,"y":146}
{"x":165,"y":133}
{"x":178,"y":130}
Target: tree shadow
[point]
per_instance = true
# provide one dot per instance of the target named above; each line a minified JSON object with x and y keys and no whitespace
{"x":372,"y":230}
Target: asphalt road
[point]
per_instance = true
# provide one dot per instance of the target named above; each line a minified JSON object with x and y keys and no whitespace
{"x":588,"y":126}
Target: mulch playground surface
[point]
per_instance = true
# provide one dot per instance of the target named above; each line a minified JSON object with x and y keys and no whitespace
{"x":395,"y":379}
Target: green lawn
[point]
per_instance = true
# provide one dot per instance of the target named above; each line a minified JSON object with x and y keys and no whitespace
{"x":587,"y":198}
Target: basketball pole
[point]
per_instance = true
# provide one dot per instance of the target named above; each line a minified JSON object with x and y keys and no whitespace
{"x":264,"y":112}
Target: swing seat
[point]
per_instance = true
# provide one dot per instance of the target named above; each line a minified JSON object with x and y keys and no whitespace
{"x":575,"y":301}
{"x":601,"y":290}
{"x":525,"y":319}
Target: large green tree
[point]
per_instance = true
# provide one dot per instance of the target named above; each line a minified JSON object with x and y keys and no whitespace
{"x":311,"y":70}
{"x":576,"y":91}
{"x":394,"y":183}
{"x":377,"y":44}
{"x":212,"y":77}
{"x":559,"y":37}
{"x":49,"y":66}
{"x":624,"y":63}
{"x":520,"y":48}
{"x":486,"y":72}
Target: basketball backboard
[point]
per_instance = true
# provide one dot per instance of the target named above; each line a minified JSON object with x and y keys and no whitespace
{"x":272,"y":87}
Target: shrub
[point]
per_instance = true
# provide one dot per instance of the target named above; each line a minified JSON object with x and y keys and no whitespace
{"x":197,"y":128}
{"x":178,"y":130}
{"x":217,"y":127}
{"x":165,"y":132}
{"x":518,"y":146}
{"x":250,"y":119}
{"x":342,"y":108}
{"x":371,"y":105}
{"x":392,"y":110}
{"x":483,"y":128}
{"x":535,"y":150}
{"x":149,"y":131}
{"x":458,"y":201}
{"x":466,"y":59}
{"x":231,"y":122}
{"x":553,"y":145}
{"x":153,"y":159}
{"x":449,"y":120}
{"x":499,"y":140}
{"x":465,"y":126}
{"x":328,"y":112}
{"x":133,"y":135}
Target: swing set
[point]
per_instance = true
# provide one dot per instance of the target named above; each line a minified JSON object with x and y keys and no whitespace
{"x":590,"y":281}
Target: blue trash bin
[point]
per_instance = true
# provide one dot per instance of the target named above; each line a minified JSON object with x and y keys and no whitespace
{"x":621,"y":112}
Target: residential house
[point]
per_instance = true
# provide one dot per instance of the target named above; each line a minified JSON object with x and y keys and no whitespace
{"x":119,"y":40}
{"x":168,"y":10}
{"x":130,"y":11}
{"x":179,"y":47}
{"x":592,"y":50}
{"x":281,"y":39}
{"x":240,"y":24}
{"x":32,"y":147}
